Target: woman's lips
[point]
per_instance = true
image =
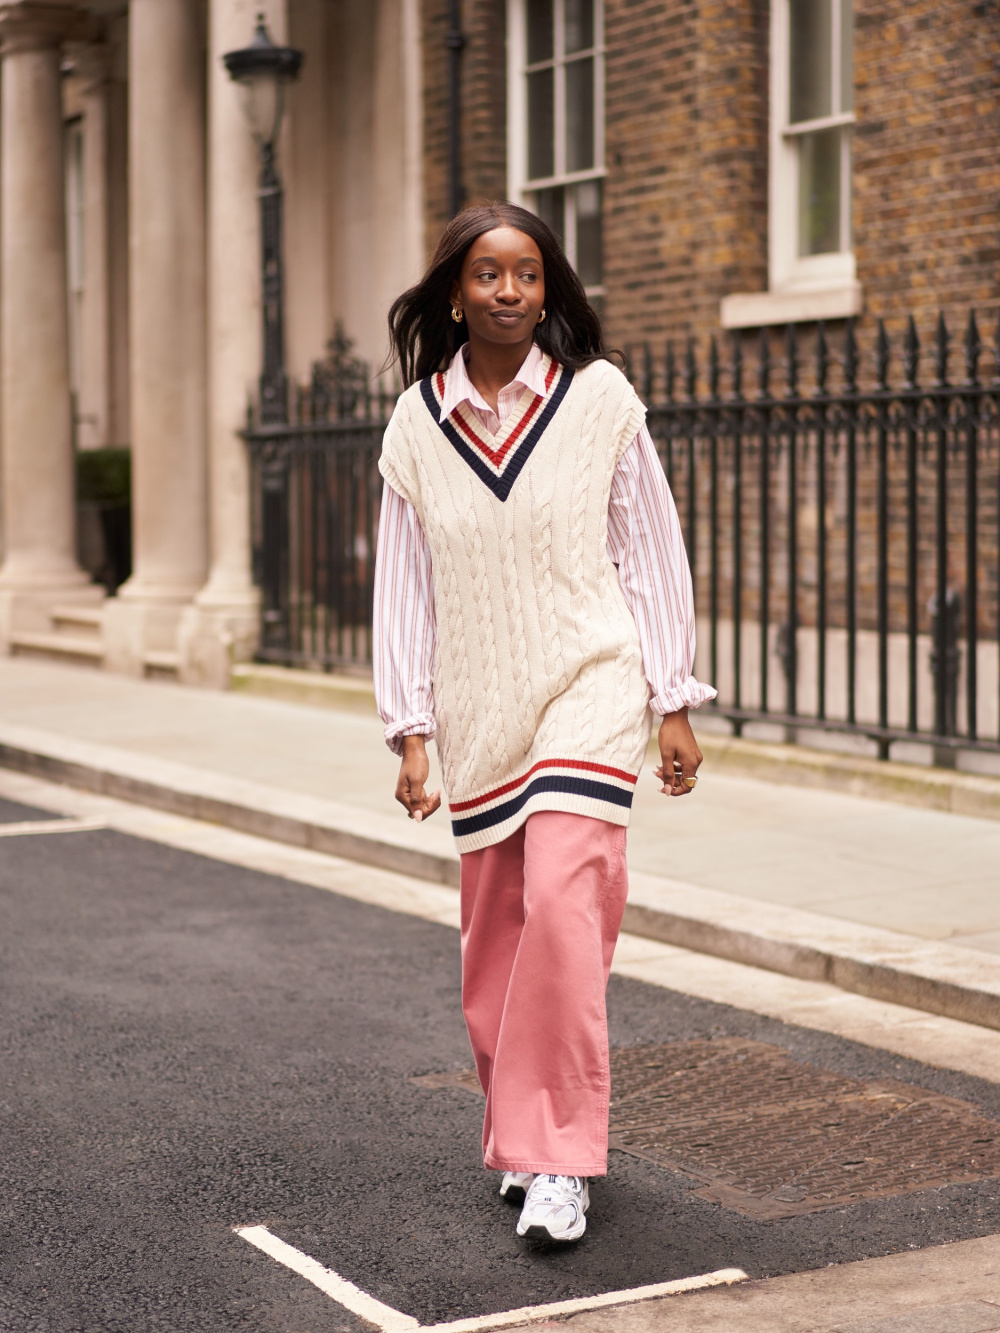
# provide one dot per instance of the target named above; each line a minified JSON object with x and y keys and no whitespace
{"x":507,"y":316}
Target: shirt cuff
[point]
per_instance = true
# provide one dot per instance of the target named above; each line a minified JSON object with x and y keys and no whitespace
{"x":422,"y":724}
{"x":690,"y":693}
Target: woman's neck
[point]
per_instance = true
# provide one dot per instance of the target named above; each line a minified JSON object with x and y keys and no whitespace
{"x":492,"y":366}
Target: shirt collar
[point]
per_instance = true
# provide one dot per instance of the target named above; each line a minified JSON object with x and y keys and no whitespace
{"x":458,"y":388}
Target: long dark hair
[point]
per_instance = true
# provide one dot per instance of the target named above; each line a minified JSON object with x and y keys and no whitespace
{"x":424,"y":337}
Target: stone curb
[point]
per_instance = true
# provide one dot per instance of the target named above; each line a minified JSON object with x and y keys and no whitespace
{"x":937,"y":978}
{"x":794,"y":765}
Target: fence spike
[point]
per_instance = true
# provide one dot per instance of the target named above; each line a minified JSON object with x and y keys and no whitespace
{"x":670,"y":370}
{"x":822,"y":358}
{"x":911,"y":354}
{"x":973,"y":348}
{"x":941,"y":339}
{"x":647,"y":372}
{"x":850,"y":359}
{"x":713,"y":367}
{"x":737,"y":366}
{"x":882,"y":356}
{"x":690,"y":371}
{"x":764,"y":364}
{"x":791,"y":361}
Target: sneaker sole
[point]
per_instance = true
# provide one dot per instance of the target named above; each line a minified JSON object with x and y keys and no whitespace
{"x":543,"y":1233}
{"x":516,"y":1194}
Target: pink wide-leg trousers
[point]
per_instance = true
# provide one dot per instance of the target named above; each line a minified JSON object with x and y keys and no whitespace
{"x":541,"y":913}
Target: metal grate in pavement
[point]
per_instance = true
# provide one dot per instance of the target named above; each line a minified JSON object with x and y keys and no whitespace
{"x":771,"y":1137}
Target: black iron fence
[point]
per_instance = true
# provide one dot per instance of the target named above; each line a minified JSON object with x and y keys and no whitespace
{"x":840,"y":500}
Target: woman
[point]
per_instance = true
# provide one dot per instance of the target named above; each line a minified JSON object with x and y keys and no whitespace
{"x":532,"y":601}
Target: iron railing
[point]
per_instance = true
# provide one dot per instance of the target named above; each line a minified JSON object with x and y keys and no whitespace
{"x":832,"y":499}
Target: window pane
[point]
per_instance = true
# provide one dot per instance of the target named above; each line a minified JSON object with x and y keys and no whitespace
{"x":810,"y":56}
{"x":819,"y":193}
{"x":580,"y":114}
{"x":540,"y":30}
{"x":550,"y":205}
{"x":589,"y":248}
{"x":579,"y":25}
{"x":541,"y":132}
{"x":846,"y":55}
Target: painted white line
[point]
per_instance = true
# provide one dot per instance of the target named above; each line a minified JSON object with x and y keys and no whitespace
{"x":528,"y":1314}
{"x":387,"y":1319}
{"x":33,"y":826}
{"x":343,"y":1292}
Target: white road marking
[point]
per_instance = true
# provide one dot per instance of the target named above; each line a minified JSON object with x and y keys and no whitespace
{"x":33,"y":826}
{"x":528,"y":1314}
{"x":387,"y":1319}
{"x":332,"y":1284}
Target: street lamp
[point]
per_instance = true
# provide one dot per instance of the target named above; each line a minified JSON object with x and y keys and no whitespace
{"x":261,"y":72}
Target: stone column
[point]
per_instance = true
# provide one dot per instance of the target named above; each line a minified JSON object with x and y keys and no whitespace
{"x":167,"y":332}
{"x":39,"y":569}
{"x":221,"y":626}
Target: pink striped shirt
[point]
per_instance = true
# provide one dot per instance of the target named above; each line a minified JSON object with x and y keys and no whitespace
{"x":644,"y":541}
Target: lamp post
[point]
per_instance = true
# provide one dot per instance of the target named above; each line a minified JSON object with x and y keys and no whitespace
{"x":261,"y":72}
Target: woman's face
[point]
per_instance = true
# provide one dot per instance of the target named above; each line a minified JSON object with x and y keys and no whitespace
{"x":501,"y":287}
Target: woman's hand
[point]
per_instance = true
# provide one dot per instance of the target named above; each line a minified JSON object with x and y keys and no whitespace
{"x":412,"y":775}
{"x":680,"y":757}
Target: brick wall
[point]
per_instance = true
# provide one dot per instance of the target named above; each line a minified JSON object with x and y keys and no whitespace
{"x":686,"y":127}
{"x":484,"y":108}
{"x":927,"y":156}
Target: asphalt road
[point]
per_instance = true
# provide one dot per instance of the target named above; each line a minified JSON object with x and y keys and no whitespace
{"x":187,"y":1046}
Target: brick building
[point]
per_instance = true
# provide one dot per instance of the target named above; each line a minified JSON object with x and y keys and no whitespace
{"x":755,"y":163}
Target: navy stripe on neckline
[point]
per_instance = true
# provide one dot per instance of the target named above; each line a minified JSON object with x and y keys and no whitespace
{"x":597,"y":791}
{"x":500,"y":485}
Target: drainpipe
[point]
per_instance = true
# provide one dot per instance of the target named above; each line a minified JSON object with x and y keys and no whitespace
{"x":455,"y":41}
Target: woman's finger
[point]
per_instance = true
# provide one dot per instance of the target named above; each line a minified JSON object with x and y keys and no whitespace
{"x":427,"y":806}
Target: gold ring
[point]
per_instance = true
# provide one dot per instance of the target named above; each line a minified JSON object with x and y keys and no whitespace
{"x":689,"y":782}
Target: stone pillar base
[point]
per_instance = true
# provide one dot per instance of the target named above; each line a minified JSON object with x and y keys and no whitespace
{"x":29,"y":609}
{"x":136,"y":630}
{"x":212,"y":638}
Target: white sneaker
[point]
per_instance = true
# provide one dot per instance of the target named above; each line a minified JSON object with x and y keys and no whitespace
{"x":554,"y":1208}
{"x":515,"y":1185}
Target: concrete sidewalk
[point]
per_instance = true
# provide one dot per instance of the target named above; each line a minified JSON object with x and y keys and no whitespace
{"x":881,"y":898}
{"x":943,"y":1289}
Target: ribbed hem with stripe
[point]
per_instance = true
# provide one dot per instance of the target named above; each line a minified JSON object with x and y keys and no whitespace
{"x":574,"y":786}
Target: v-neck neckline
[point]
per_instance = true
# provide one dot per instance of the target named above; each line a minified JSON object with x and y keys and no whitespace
{"x":498,"y":459}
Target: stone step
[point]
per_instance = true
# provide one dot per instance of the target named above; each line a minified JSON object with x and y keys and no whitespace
{"x":80,"y":621}
{"x":60,"y":647}
{"x":161,"y":664}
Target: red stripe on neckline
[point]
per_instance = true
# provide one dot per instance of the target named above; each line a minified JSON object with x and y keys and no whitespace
{"x":543,"y":763}
{"x":496,"y":457}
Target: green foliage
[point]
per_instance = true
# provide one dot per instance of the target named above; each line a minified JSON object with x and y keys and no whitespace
{"x":104,"y":476}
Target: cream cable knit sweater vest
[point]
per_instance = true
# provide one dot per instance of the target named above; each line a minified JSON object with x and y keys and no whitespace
{"x":539,"y":690}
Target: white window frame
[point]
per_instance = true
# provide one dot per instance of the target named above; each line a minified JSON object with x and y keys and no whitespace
{"x":519,"y":187}
{"x":787,"y":271}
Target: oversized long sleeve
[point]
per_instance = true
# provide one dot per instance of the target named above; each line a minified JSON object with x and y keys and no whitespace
{"x":645,"y":542}
{"x":404,"y":630}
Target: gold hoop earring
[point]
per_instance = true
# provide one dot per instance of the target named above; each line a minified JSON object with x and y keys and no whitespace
{"x":542,"y":315}
{"x":456,"y":314}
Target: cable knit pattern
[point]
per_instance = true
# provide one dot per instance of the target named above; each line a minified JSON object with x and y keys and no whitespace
{"x":541,"y":698}
{"x":541,"y":554}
